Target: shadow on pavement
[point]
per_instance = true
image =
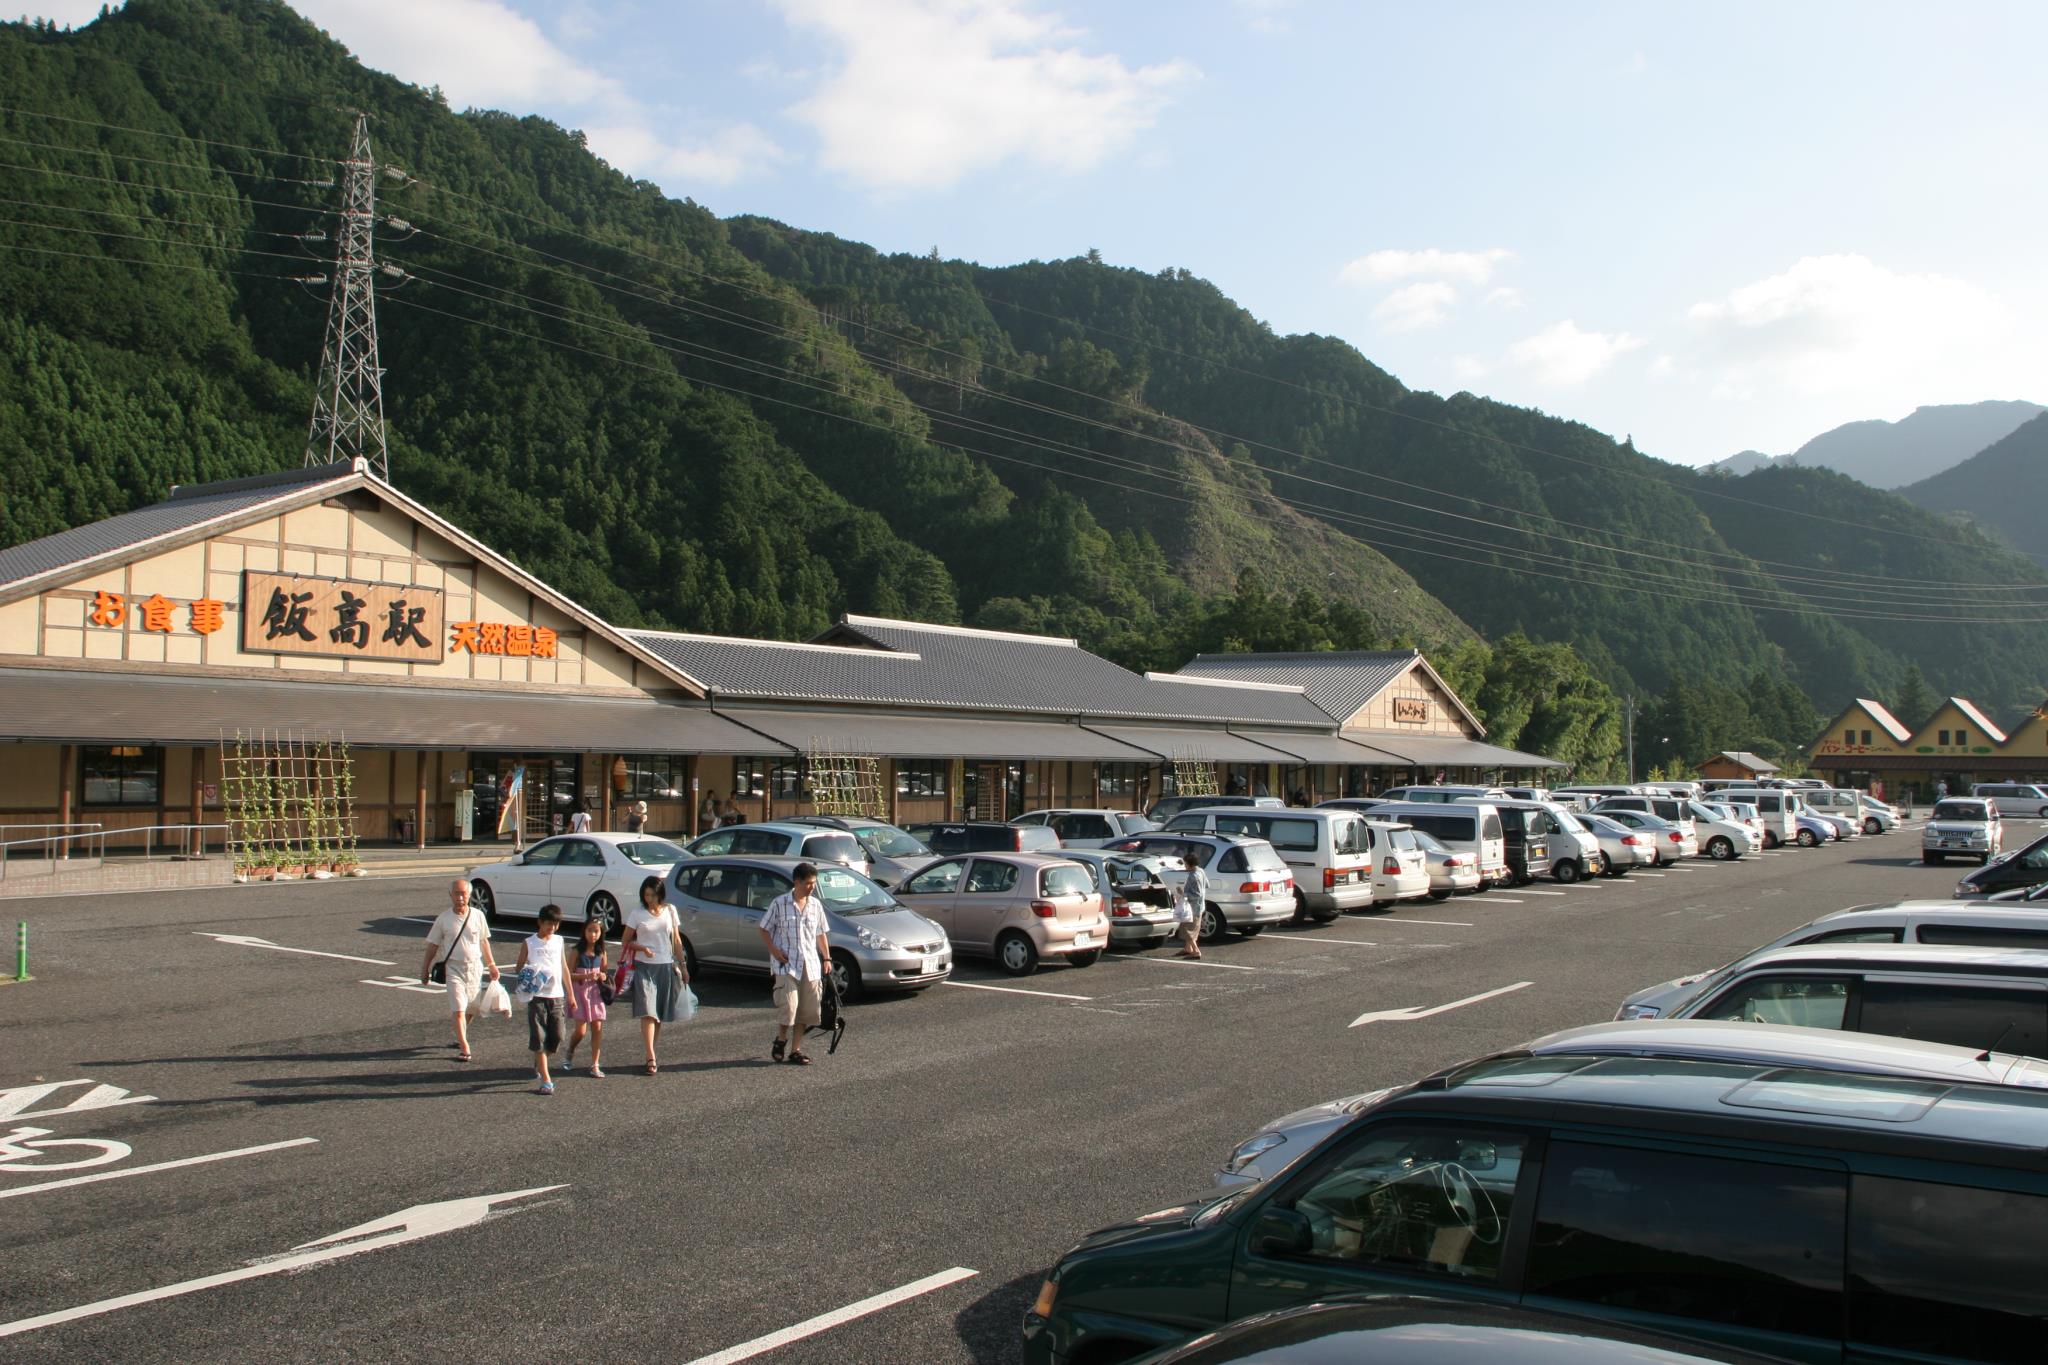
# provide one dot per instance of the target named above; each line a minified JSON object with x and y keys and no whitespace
{"x":988,"y":1326}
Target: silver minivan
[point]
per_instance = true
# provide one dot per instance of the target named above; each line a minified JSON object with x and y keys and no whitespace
{"x":2015,"y":799}
{"x":1469,"y":826}
{"x":1329,"y":851}
{"x":1778,"y":807}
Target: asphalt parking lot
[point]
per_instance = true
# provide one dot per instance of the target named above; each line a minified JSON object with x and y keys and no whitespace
{"x":231,"y":1128}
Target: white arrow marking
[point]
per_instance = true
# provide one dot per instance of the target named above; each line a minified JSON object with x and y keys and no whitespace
{"x":407,"y":983}
{"x":245,"y":941}
{"x":407,"y":1225}
{"x":1424,"y":1011}
{"x":15,"y":1103}
{"x":824,"y":1322}
{"x":206,"y":1160}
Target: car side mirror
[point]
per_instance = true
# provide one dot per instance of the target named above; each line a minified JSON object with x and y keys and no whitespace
{"x":1282,"y":1232}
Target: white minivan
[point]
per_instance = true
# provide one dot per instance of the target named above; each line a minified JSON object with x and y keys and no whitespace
{"x":1468,"y":826}
{"x":1837,"y":801}
{"x":1400,"y":867}
{"x":1329,"y":851}
{"x":1778,"y":807}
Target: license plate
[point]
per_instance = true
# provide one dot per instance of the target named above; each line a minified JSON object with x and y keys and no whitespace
{"x":1083,"y":939}
{"x":932,"y":964}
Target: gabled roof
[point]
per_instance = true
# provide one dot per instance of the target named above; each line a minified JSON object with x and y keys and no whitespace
{"x":198,"y":509}
{"x":193,"y":514}
{"x":1890,"y":722}
{"x":910,"y":663}
{"x":1749,"y":760}
{"x":1341,"y":682}
{"x":1983,"y":722}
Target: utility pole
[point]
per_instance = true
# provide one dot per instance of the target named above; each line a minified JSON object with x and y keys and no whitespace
{"x":1630,"y":712}
{"x":348,"y":400}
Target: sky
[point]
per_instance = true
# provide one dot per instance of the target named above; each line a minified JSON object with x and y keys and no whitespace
{"x":1710,"y":227}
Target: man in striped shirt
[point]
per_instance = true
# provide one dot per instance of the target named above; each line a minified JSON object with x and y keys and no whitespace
{"x":794,"y":929}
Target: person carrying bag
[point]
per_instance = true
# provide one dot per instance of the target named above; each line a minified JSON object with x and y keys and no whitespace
{"x":653,"y":944}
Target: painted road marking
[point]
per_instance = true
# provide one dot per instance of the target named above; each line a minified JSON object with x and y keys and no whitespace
{"x":156,"y":1166}
{"x":1646,"y":874}
{"x":1424,"y":1012}
{"x":246,"y":941}
{"x":407,"y":1225}
{"x":1502,"y":900}
{"x":429,"y":919}
{"x":14,"y":1104}
{"x":1014,"y":990}
{"x":407,"y":983}
{"x":1199,"y":962}
{"x":1442,"y":923}
{"x":1530,"y":891}
{"x":825,"y":1322}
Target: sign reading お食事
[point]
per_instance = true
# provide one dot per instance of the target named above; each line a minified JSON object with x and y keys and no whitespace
{"x":340,"y":618}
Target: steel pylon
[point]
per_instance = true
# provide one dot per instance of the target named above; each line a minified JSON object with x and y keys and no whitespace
{"x":348,"y":400}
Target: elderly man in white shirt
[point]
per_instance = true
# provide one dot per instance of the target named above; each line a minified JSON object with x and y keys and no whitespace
{"x":794,"y":929}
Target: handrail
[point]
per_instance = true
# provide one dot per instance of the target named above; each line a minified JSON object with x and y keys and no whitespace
{"x":61,"y":857}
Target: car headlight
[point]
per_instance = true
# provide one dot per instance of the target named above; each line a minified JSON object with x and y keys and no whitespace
{"x":1638,"y":1012}
{"x":870,"y":939}
{"x":1968,"y":888}
{"x":1251,"y":1149}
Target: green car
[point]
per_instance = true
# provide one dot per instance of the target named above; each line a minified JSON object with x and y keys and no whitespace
{"x":1812,"y":1215}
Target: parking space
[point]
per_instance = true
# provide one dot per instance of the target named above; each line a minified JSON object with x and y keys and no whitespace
{"x":213,"y":1082}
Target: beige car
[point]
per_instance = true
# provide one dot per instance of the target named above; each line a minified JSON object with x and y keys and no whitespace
{"x":1014,"y":907}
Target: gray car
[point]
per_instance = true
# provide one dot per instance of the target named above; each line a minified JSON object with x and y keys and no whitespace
{"x":1285,"y":1140}
{"x":1134,"y":887}
{"x":877,"y":944}
{"x":777,"y":839}
{"x":1088,"y":827}
{"x":893,"y":854}
{"x":1905,"y":922}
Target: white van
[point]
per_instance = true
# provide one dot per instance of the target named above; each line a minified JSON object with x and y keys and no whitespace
{"x":1329,"y":851}
{"x":1593,"y":795}
{"x":1778,"y":807}
{"x":1837,"y":801}
{"x":1436,"y":794}
{"x":1400,"y":868}
{"x":1472,"y":827}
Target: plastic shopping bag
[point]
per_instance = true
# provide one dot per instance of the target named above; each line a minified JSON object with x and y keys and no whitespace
{"x":686,"y":1005}
{"x":492,"y":1000}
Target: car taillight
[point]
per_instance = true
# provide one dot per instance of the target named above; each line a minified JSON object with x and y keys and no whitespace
{"x":1043,"y":909}
{"x":1329,"y":878}
{"x":1120,"y":908}
{"x":1391,"y":868}
{"x":1630,"y":839}
{"x":1676,"y":837}
{"x":1255,"y":888}
{"x":1454,"y":862}
{"x":1017,"y":841}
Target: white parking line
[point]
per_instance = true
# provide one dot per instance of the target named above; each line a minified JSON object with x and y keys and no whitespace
{"x":1527,"y":891}
{"x":247,"y":941}
{"x":825,"y":1322}
{"x":1198,"y":962}
{"x":1010,"y":990}
{"x":1442,"y":923}
{"x":1502,"y":900}
{"x":158,"y":1166}
{"x":1646,"y":874}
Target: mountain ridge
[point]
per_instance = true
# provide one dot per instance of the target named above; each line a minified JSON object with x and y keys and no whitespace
{"x":1891,"y":455}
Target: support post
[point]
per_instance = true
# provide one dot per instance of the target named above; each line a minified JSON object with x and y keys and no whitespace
{"x":67,"y":774}
{"x":419,"y":809}
{"x":198,"y":799}
{"x":695,"y":796}
{"x":21,"y":951}
{"x":604,"y":790}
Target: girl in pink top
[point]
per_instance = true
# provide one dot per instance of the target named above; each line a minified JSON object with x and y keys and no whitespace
{"x":586,"y":1000}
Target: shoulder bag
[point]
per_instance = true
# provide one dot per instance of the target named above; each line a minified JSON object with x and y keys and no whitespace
{"x":438,"y":973}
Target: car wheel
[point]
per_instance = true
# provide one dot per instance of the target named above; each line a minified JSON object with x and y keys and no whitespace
{"x":605,"y":909}
{"x":480,"y":896}
{"x":1086,"y":959}
{"x":1252,"y":930}
{"x":1016,"y":954}
{"x":846,"y":976}
{"x":1436,"y":895}
{"x":1301,"y":915}
{"x":1721,"y":849}
{"x":1931,"y":859}
{"x":1871,"y":826}
{"x":1521,"y":878}
{"x":1566,"y":871}
{"x":690,"y":960}
{"x":1808,"y":839}
{"x":1771,"y":839}
{"x":1213,"y":924}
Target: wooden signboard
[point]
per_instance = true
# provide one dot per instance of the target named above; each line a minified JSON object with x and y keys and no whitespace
{"x":340,"y":618}
{"x":1411,"y":710}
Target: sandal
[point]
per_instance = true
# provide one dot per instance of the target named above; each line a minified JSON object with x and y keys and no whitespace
{"x":652,"y":1069}
{"x":781,"y":1046}
{"x":799,"y":1059}
{"x":464,"y":1057}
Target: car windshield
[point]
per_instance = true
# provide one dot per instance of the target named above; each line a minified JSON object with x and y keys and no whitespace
{"x":1067,"y":881}
{"x":653,"y":852}
{"x":849,"y":893}
{"x":1700,"y":812}
{"x":1961,"y":810}
{"x":891,"y":842}
{"x":1427,"y":842}
{"x":1403,"y":839}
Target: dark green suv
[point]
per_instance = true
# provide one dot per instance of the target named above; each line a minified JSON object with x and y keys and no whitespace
{"x":1812,"y":1215}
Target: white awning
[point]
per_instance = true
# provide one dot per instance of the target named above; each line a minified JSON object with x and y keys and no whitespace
{"x":1449,"y":751}
{"x":907,"y":736}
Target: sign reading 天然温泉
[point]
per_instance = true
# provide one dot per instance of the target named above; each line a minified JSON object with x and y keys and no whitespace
{"x":340,"y":618}
{"x":1413,"y":710}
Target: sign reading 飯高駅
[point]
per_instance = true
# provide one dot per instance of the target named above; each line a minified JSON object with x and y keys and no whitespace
{"x":340,"y":618}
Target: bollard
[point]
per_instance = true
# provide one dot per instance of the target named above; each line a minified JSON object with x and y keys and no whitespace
{"x":21,"y":952}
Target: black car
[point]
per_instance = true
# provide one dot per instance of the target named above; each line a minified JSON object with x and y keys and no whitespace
{"x":1418,"y":1331}
{"x":983,"y":836}
{"x":2028,"y":867}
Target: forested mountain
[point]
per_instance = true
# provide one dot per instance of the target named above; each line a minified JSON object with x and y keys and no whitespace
{"x":737,"y":425}
{"x":1894,"y":454}
{"x":2001,"y":488}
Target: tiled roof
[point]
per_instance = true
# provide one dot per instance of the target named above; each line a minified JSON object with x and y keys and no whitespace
{"x":184,"y":510}
{"x":1749,"y":760}
{"x":866,"y":659}
{"x":1969,"y":708}
{"x":1338,"y":682}
{"x":1885,"y":718}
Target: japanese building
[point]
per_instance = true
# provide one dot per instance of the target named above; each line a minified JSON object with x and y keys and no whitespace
{"x":324,"y":605}
{"x":1867,"y":746}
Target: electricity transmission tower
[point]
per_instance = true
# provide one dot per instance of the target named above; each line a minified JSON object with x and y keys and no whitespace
{"x":348,"y":401}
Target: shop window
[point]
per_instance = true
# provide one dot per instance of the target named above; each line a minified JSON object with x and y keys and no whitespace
{"x":786,"y":780}
{"x":1849,"y":736}
{"x":1120,"y":780}
{"x":657,"y":777}
{"x":120,"y":775}
{"x":924,"y":777}
{"x":1941,"y":737}
{"x":1962,"y":737}
{"x":1866,"y":739}
{"x":749,"y":776}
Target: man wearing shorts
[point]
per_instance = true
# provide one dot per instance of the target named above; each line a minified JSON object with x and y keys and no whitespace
{"x":460,"y":941}
{"x":794,"y":929}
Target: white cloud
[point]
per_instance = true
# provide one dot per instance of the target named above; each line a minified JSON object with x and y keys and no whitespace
{"x":1433,"y":263}
{"x":1664,"y":366}
{"x":483,"y":54}
{"x":1563,"y":355}
{"x":1267,"y":16}
{"x":65,"y":13}
{"x":1470,"y":367}
{"x":1412,"y":307}
{"x":1505,"y":296}
{"x":923,"y":92}
{"x":1836,"y":325}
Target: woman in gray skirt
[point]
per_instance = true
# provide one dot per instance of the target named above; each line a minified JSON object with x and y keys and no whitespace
{"x":654,"y":945}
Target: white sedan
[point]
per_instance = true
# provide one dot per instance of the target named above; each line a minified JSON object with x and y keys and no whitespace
{"x":588,"y":875}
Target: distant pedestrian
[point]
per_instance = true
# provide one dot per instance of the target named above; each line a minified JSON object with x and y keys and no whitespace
{"x":460,"y":942}
{"x":543,"y":981}
{"x":707,"y":813}
{"x":579,"y":821}
{"x":731,"y":815}
{"x":1237,"y":786}
{"x":1941,"y":791}
{"x":586,"y":996}
{"x":794,"y":929}
{"x":1190,"y":905}
{"x":654,"y":945}
{"x":1298,"y":797}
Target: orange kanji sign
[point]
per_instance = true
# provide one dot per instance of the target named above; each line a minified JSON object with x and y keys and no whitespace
{"x":462,"y":635}
{"x":500,"y":637}
{"x":108,"y":608}
{"x":156,"y":612}
{"x":208,"y":615}
{"x":490,"y":637}
{"x":543,"y":643}
{"x":519,"y":640}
